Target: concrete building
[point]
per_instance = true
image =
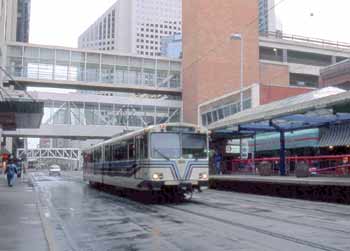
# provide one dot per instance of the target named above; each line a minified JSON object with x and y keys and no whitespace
{"x":14,"y":20}
{"x":8,"y":20}
{"x":23,"y":20}
{"x":297,"y":61}
{"x":336,"y":75}
{"x":275,"y":65}
{"x":14,"y":26}
{"x":267,"y":16}
{"x":134,"y":26}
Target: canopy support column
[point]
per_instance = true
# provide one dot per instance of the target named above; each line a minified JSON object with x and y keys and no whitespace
{"x":282,"y":147}
{"x":282,"y":154}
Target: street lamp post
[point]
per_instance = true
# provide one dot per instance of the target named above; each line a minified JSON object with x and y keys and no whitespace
{"x":239,"y":36}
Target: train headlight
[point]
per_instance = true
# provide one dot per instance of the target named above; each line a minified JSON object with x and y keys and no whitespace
{"x":203,"y":176}
{"x":157,"y":176}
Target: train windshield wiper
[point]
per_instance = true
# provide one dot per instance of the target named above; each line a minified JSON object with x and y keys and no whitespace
{"x":161,"y":154}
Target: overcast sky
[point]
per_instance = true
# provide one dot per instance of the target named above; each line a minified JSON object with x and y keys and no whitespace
{"x":60,"y":22}
{"x":330,"y":18}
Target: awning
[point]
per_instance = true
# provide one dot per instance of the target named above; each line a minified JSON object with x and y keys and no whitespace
{"x":311,"y":110}
{"x":338,"y":135}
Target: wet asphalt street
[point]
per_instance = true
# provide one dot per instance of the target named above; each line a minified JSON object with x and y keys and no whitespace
{"x":77,"y":217}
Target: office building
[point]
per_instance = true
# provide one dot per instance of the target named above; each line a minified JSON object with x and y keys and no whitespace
{"x":171,"y":46}
{"x":134,"y":26}
{"x":14,"y":20}
{"x":267,"y":16}
{"x":23,"y":19}
{"x":8,"y":20}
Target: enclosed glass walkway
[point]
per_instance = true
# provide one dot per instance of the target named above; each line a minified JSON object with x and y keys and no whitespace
{"x":59,"y":64}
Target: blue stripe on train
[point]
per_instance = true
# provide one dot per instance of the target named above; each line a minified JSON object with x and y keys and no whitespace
{"x":122,"y":165}
{"x":173,"y":167}
{"x":193,"y":164}
{"x":161,"y":164}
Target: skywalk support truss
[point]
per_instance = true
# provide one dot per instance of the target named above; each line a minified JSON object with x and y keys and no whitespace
{"x":49,"y":153}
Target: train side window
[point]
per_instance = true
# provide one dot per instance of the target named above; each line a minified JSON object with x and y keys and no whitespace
{"x":108,"y":154}
{"x":120,"y":151}
{"x":143,"y":147}
{"x":114,"y":152}
{"x":131,"y":149}
{"x":97,"y":155}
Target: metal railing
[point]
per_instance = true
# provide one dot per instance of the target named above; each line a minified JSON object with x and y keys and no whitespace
{"x":37,"y":62}
{"x":328,"y":165}
{"x":317,"y":41}
{"x":42,"y":72}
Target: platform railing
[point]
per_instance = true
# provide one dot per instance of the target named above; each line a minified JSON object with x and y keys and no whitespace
{"x":329,"y":165}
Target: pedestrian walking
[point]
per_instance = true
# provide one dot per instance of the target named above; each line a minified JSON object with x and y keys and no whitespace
{"x":11,"y":171}
{"x":217,"y":162}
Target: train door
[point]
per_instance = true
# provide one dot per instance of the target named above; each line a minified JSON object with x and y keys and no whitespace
{"x":141,"y":155}
{"x":102,"y":164}
{"x":139,"y":150}
{"x":107,"y":165}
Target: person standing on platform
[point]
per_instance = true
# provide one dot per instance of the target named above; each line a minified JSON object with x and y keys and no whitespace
{"x":11,"y":171}
{"x":217,"y":162}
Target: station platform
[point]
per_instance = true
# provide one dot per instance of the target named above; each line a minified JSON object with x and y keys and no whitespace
{"x":327,"y":189}
{"x":21,"y":226}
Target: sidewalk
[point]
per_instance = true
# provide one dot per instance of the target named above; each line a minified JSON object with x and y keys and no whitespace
{"x":21,"y":227}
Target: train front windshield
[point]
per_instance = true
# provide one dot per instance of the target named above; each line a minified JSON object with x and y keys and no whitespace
{"x":194,"y":146}
{"x":175,"y":146}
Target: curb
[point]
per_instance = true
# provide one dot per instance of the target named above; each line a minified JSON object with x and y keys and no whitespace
{"x":44,"y":221}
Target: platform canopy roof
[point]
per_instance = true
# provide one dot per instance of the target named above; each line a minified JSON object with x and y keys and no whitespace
{"x":319,"y":108}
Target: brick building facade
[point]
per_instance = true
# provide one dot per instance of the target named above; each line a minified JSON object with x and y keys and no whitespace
{"x":211,"y":61}
{"x":275,"y":66}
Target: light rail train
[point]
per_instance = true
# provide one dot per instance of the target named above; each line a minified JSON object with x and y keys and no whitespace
{"x":167,"y":158}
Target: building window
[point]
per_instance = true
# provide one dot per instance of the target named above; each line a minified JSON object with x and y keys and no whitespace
{"x":304,"y":80}
{"x":308,"y":58}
